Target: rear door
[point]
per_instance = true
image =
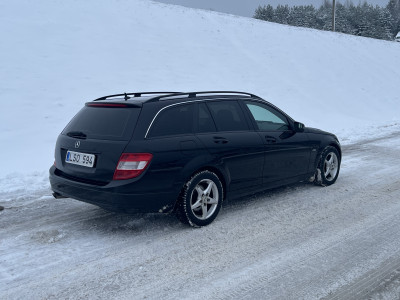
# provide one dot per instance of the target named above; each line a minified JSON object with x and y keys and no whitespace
{"x":232,"y":142}
{"x":89,"y":147}
{"x":287,"y":153}
{"x":174,"y":146}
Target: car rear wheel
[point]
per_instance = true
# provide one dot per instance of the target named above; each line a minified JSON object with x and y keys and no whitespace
{"x":328,"y":167}
{"x":200,"y":200}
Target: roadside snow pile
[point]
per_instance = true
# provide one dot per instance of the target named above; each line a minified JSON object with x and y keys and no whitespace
{"x":55,"y":55}
{"x":23,"y":187}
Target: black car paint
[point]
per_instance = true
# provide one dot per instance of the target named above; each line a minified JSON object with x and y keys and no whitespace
{"x":246,"y":161}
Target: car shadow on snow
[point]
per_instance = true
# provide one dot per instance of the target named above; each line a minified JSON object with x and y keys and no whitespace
{"x":268,"y":196}
{"x":95,"y":219}
{"x":103,"y":221}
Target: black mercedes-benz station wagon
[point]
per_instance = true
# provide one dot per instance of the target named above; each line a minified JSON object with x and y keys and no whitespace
{"x":185,"y":152}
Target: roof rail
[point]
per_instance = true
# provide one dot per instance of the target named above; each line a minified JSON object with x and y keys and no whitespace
{"x":195,"y":94}
{"x":136,"y":94}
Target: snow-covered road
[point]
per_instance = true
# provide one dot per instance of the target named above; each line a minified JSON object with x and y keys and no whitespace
{"x":298,"y":242}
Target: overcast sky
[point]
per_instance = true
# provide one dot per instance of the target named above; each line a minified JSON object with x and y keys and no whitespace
{"x":247,"y":7}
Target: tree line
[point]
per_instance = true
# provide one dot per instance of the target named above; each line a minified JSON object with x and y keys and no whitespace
{"x":380,"y":22}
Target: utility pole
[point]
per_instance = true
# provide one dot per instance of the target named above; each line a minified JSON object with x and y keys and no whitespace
{"x":333,"y":15}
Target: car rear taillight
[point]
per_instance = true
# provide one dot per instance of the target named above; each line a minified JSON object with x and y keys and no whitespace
{"x":131,"y":165}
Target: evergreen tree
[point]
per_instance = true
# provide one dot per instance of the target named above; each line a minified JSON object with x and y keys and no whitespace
{"x":363,"y":19}
{"x":296,"y":16}
{"x":282,"y":14}
{"x":265,"y":13}
{"x":394,"y":8}
{"x":310,"y":16}
{"x":324,"y":17}
{"x":385,"y":24}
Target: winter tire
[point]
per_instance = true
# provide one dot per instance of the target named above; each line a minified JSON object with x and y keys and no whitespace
{"x":328,"y":167}
{"x":200,"y":200}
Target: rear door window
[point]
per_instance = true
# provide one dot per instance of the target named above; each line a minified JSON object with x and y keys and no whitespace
{"x":104,"y":123}
{"x":175,"y":120}
{"x":228,"y":115}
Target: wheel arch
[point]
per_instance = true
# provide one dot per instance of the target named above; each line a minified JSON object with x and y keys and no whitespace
{"x":220,"y":174}
{"x":321,"y":150}
{"x":337,"y":148}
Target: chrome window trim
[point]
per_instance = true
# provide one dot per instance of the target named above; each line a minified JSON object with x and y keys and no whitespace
{"x":186,"y":102}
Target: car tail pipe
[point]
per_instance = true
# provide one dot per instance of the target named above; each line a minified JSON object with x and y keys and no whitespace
{"x":58,"y":196}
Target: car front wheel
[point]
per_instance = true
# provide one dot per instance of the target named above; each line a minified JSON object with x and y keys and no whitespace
{"x":201,"y":199}
{"x":328,"y":167}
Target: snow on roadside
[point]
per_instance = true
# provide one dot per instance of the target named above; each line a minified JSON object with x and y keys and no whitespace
{"x":356,"y":134}
{"x":24,"y":187}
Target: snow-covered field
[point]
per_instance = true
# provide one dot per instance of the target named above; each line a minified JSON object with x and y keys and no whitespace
{"x":298,"y":242}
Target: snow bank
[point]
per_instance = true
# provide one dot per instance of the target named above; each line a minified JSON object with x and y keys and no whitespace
{"x":56,"y":55}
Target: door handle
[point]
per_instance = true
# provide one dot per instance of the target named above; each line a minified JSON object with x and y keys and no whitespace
{"x":220,"y":140}
{"x":270,"y":139}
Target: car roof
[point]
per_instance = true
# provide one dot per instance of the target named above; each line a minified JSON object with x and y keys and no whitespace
{"x":137,"y":99}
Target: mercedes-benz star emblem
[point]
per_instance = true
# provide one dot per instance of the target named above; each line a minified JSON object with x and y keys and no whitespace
{"x":77,"y":144}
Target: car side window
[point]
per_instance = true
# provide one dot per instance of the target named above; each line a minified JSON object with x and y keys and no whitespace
{"x":267,"y":118}
{"x":205,"y":122}
{"x":175,"y":120}
{"x":228,"y":115}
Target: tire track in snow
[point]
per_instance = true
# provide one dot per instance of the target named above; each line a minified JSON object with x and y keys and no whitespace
{"x":258,"y":242}
{"x":370,"y":283}
{"x":252,"y":284}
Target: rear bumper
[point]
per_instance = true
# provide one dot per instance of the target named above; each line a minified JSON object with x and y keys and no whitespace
{"x":112,"y":198}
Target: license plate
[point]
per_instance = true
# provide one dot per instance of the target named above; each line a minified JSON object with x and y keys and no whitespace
{"x":81,"y":159}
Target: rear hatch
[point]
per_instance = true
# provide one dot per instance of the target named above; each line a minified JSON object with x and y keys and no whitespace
{"x":89,"y":147}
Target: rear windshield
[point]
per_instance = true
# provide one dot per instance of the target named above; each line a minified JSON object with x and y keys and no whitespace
{"x":104,"y":123}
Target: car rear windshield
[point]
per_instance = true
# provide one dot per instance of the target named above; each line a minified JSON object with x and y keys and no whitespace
{"x":103,"y":123}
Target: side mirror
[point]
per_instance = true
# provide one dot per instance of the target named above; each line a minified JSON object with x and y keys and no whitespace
{"x":298,"y":127}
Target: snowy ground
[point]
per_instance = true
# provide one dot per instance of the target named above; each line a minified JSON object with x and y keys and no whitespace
{"x":298,"y":242}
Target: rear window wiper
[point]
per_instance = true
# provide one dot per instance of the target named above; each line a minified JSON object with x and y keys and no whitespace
{"x":77,"y":134}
